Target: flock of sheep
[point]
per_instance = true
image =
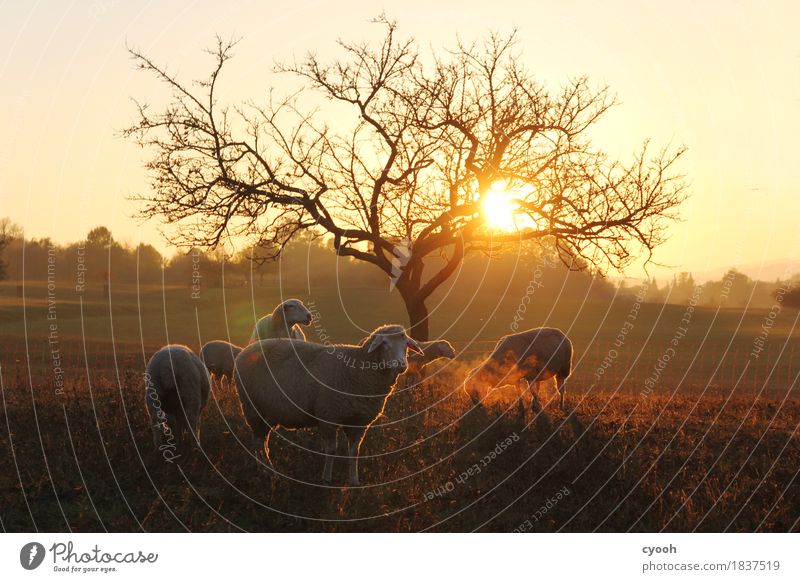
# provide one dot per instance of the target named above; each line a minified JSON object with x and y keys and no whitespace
{"x":285,"y":381}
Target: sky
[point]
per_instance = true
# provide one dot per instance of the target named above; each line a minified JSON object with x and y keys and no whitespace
{"x":721,"y":77}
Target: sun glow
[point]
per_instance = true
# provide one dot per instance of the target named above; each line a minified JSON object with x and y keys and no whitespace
{"x":498,"y":209}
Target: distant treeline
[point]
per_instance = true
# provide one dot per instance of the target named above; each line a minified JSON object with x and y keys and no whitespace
{"x":100,"y":259}
{"x":734,"y":289}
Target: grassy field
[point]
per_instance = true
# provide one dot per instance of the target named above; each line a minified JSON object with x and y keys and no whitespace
{"x":714,"y":352}
{"x":705,"y":440}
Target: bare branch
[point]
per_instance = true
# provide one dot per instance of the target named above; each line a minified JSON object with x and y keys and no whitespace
{"x":381,"y":147}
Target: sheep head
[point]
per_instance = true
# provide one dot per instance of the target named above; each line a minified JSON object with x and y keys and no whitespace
{"x":443,"y":349}
{"x":292,"y":311}
{"x":491,"y":374}
{"x":392,"y":343}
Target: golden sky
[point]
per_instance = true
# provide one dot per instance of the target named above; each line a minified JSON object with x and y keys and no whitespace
{"x":720,"y":76}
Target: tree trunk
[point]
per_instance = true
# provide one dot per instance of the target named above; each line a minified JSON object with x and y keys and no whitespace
{"x":417,"y":316}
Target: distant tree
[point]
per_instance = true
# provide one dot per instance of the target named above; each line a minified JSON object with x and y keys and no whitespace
{"x":3,"y":267}
{"x":195,"y":267}
{"x":654,"y":294}
{"x":791,"y":298}
{"x":253,"y":264}
{"x":734,"y":289}
{"x":148,"y":264}
{"x":9,"y":231}
{"x":99,"y":237}
{"x":682,"y":289}
{"x":99,"y":245}
{"x":35,"y":258}
{"x":395,"y":157}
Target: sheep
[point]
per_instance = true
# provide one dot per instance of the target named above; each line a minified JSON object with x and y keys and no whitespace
{"x":534,"y":355}
{"x":297,"y":384}
{"x":282,"y":322}
{"x":431,"y":351}
{"x":176,"y":390}
{"x":218,"y":356}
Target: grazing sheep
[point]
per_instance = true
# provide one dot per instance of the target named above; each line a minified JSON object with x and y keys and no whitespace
{"x":534,"y":355}
{"x":219,"y":356}
{"x":283,"y":322}
{"x":431,"y":351}
{"x":297,"y":384}
{"x":176,"y":389}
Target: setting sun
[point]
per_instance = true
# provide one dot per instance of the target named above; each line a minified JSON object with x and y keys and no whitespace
{"x":498,"y":208}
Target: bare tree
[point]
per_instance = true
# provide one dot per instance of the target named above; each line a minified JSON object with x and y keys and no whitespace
{"x":3,"y":267}
{"x":393,"y":155}
{"x":8,"y":232}
{"x":788,"y":294}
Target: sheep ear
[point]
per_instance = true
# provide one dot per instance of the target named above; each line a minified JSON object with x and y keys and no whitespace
{"x":414,"y":347}
{"x":375,"y":342}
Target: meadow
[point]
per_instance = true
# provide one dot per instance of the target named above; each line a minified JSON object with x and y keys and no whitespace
{"x":678,"y":423}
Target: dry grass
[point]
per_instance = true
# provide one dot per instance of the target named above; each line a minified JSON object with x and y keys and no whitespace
{"x":82,"y":461}
{"x":719,"y":455}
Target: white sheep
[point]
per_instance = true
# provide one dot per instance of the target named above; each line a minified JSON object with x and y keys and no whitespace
{"x":534,"y":355}
{"x":297,"y":384}
{"x":176,"y":390}
{"x":431,"y":351}
{"x":219,"y":356}
{"x":283,"y":322}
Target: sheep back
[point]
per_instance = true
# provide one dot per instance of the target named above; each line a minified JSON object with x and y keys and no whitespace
{"x":264,"y":330}
{"x":431,"y":351}
{"x":536,"y":350}
{"x":297,"y":384}
{"x":219,"y":357}
{"x":179,"y":379}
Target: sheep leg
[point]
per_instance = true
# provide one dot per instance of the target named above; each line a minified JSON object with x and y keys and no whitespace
{"x":156,"y":418}
{"x":266,"y":446}
{"x":187,"y":433}
{"x":257,"y":446}
{"x":561,"y":390}
{"x":328,"y":434}
{"x":173,"y":433}
{"x":536,"y":404}
{"x":260,"y":444}
{"x":157,"y":428}
{"x":521,"y":401}
{"x":193,"y":424}
{"x":158,"y":434}
{"x":355,"y":436}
